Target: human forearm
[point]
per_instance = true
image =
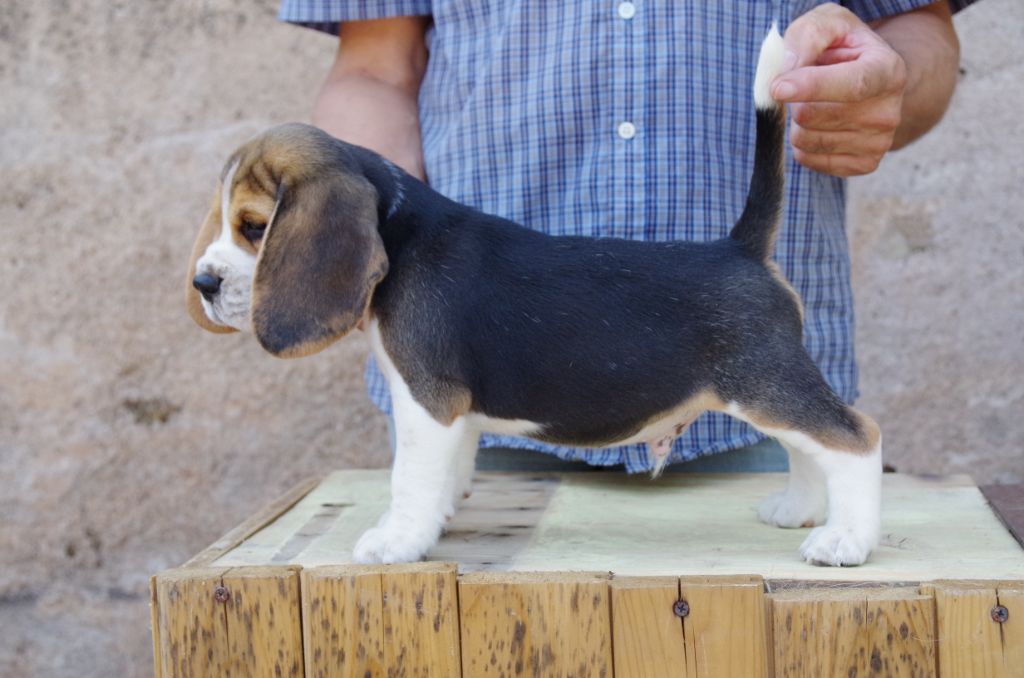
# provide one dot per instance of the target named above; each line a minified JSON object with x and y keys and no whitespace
{"x":931,"y":51}
{"x":370,"y":95}
{"x":365,"y":111}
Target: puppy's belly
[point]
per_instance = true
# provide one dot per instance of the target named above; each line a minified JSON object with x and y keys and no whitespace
{"x":664,"y":427}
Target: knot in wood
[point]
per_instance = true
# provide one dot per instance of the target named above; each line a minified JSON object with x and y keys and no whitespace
{"x":681,"y":608}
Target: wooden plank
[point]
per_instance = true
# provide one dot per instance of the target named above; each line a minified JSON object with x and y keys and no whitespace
{"x":725,"y":628}
{"x":1008,"y":503}
{"x":647,"y":636}
{"x":421,"y":620}
{"x":376,"y":620}
{"x":701,"y":524}
{"x":342,"y":621}
{"x":971,"y":643}
{"x":693,"y":525}
{"x":154,"y":626}
{"x":1012,"y":598}
{"x":253,"y":524}
{"x":263,"y":621}
{"x":550,"y":624}
{"x":845,"y":632}
{"x":191,"y":624}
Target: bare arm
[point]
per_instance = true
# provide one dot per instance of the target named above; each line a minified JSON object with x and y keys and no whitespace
{"x":369,"y":96}
{"x":928,"y":44}
{"x":858,"y":91}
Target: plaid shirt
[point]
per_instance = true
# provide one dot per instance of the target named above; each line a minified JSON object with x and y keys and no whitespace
{"x":620,"y":119}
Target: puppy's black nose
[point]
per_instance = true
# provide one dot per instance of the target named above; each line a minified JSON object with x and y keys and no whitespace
{"x":208,"y":285}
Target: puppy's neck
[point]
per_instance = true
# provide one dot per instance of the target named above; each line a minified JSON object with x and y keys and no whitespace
{"x":393,"y":197}
{"x":406,"y":206}
{"x":389,"y":180}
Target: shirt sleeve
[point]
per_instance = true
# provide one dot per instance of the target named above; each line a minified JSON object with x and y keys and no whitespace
{"x":325,"y":15}
{"x":871,"y":10}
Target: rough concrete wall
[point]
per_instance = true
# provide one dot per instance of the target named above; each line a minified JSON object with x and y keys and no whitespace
{"x":129,"y":438}
{"x":938,"y":247}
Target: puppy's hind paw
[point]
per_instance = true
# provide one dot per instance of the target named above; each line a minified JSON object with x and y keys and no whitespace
{"x":789,"y":509}
{"x":387,"y":545}
{"x":836,"y":545}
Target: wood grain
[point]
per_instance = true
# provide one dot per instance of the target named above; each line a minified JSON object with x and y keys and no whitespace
{"x":263,"y":623}
{"x":971,"y":643}
{"x":342,"y":621}
{"x":154,"y":627}
{"x":544,"y":623}
{"x":191,"y":624}
{"x":647,"y":636}
{"x":846,"y":632}
{"x":725,"y":628}
{"x":421,"y":620}
{"x":381,"y":620}
{"x":253,"y":628}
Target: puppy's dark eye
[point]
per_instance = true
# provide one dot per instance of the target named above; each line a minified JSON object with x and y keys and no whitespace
{"x":252,"y":231}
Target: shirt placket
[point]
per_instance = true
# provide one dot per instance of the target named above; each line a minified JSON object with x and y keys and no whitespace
{"x":627,"y":130}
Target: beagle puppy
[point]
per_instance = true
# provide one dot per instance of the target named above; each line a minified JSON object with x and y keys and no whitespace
{"x":482,"y":325}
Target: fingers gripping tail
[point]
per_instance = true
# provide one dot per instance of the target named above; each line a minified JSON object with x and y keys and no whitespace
{"x":759,"y":223}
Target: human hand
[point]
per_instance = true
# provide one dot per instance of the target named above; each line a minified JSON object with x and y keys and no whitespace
{"x":845,"y":87}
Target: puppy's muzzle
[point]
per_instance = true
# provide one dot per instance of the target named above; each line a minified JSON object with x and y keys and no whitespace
{"x":208,"y":285}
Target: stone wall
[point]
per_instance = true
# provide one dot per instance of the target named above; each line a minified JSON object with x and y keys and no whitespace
{"x":129,"y":438}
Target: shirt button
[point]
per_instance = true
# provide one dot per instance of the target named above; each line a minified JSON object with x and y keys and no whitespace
{"x":627,"y":130}
{"x":627,"y":10}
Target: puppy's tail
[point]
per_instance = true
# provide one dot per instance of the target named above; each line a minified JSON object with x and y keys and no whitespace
{"x":759,"y":223}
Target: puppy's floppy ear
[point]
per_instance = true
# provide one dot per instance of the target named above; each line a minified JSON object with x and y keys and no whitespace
{"x":320,"y":260}
{"x":207,"y":234}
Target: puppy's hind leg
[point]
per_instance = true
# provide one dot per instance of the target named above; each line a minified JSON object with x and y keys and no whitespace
{"x":804,"y":502}
{"x":834,"y":443}
{"x":854,"y":480}
{"x":424,"y":480}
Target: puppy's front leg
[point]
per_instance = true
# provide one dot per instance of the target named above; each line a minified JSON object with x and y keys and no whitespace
{"x":424,"y":481}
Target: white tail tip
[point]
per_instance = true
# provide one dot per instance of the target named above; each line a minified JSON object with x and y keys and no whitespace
{"x":769,"y":65}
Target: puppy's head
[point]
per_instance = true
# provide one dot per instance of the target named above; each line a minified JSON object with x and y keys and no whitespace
{"x":290,"y":246}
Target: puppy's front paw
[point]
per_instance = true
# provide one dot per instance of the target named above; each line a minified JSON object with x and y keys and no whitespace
{"x":837,"y":545}
{"x":792,"y":509}
{"x":386,"y":544}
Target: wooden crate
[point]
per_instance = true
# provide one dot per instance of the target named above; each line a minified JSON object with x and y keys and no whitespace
{"x":599,"y":574}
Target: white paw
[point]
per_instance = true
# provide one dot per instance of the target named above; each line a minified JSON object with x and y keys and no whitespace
{"x":386,"y":544}
{"x":790,"y":509}
{"x":837,"y":545}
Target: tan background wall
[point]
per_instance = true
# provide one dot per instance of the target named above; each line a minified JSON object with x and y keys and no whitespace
{"x":129,"y":438}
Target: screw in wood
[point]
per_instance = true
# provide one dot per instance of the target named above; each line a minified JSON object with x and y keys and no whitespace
{"x":1000,"y":614}
{"x":681,"y":608}
{"x":221,"y":594}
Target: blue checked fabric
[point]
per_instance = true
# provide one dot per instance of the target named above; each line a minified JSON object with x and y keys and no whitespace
{"x":620,"y":119}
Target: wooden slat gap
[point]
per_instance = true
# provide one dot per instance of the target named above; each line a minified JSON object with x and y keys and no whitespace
{"x":777,"y":585}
